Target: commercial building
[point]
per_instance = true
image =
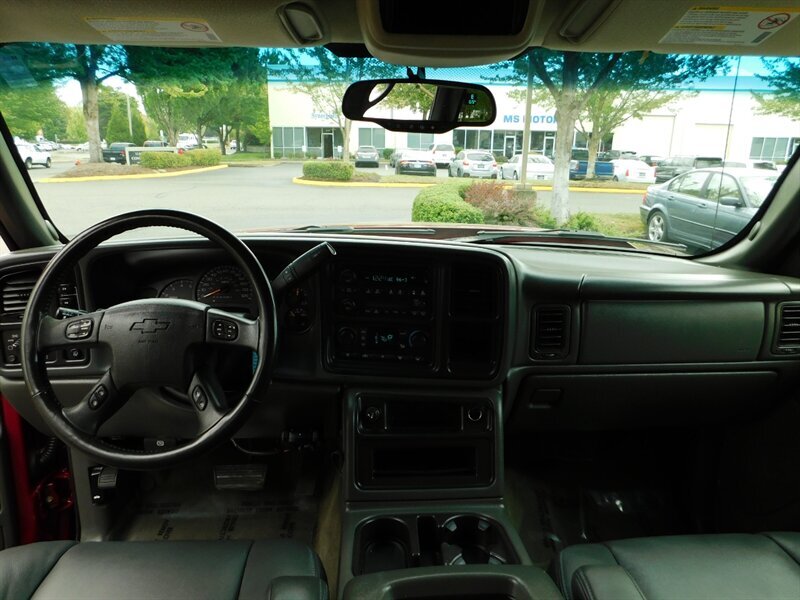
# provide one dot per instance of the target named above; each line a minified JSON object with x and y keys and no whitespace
{"x":718,"y":117}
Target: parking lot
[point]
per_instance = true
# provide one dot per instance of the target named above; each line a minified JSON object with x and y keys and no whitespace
{"x":234,"y":195}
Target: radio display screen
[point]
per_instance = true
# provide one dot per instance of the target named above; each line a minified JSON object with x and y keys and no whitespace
{"x":418,"y":416}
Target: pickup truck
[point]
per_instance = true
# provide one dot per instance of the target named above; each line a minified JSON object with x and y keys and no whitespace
{"x":115,"y":153}
{"x":603,"y":169}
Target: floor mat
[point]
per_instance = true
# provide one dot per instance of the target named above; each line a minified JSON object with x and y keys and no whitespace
{"x":185,"y":505}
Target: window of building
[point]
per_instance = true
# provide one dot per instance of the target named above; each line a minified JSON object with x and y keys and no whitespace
{"x":372,"y":136}
{"x":419,"y":141}
{"x":288,"y":141}
{"x":775,"y":149}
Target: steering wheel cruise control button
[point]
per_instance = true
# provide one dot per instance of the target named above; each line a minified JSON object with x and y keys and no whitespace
{"x":199,"y":398}
{"x":225,"y":330}
{"x":98,"y":397}
{"x":79,"y":330}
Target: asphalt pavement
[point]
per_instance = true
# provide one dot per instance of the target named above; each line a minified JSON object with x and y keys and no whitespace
{"x":249,"y":198}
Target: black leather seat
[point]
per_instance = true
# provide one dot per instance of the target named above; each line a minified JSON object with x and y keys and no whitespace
{"x":268,"y":570}
{"x":731,"y":566}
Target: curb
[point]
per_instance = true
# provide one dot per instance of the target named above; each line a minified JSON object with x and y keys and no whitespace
{"x":376,"y":184}
{"x":137,"y":176}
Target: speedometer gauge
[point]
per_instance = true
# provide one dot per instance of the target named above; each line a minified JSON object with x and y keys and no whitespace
{"x":225,"y":285}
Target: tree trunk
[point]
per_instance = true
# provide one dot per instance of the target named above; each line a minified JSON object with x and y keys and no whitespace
{"x":565,"y":128}
{"x":239,"y":146}
{"x":91,"y":113}
{"x":594,"y":143}
{"x":222,"y":139}
{"x":346,"y":140}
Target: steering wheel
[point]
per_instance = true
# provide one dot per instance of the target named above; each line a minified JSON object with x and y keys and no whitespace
{"x":152,"y":342}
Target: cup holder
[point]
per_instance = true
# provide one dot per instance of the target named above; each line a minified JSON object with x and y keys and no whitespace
{"x":471,"y":540}
{"x":399,"y":542}
{"x":383,"y":545}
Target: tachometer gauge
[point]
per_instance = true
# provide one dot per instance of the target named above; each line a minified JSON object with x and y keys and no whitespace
{"x":180,"y":288}
{"x":225,"y":285}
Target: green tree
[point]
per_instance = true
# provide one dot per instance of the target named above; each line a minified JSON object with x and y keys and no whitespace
{"x":197,"y":88}
{"x":76,"y":126}
{"x":324,"y":77}
{"x":31,"y":110}
{"x":117,"y":129}
{"x":88,"y":65}
{"x":784,"y":77}
{"x":573,"y":78}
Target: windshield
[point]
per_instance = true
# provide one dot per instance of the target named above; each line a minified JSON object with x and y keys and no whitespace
{"x":757,"y":187}
{"x":125,"y":128}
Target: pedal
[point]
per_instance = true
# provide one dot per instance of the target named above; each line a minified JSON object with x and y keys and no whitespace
{"x":247,"y":478}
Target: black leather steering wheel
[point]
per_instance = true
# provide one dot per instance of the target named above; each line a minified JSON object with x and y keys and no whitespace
{"x":152,"y":342}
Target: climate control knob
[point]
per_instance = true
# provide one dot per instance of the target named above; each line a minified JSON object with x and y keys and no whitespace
{"x":418,"y":339}
{"x":346,"y":336}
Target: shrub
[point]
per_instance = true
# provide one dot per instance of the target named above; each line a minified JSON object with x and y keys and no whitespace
{"x":204,"y":158}
{"x":328,"y":170}
{"x":164,"y":160}
{"x":442,"y":204}
{"x":499,"y":157}
{"x":501,"y":206}
{"x":582,"y":221}
{"x":387,"y":153}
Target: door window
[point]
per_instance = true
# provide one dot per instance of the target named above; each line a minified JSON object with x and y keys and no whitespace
{"x":692,"y":183}
{"x":722,"y":186}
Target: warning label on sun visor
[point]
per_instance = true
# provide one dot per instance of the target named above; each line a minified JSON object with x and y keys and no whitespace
{"x":729,"y":25}
{"x":187,"y":31}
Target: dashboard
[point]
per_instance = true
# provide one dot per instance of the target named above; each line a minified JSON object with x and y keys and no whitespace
{"x":567,"y":338}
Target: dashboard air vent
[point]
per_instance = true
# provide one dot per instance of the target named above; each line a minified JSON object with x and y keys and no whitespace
{"x":551,"y":325}
{"x":788,"y":337}
{"x":17,"y":290}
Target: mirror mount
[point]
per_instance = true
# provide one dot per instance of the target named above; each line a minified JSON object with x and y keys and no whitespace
{"x":418,"y":76}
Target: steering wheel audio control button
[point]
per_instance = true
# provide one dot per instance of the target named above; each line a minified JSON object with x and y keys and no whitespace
{"x":225,"y":330}
{"x":78,"y":330}
{"x":98,"y":397}
{"x":199,"y":398}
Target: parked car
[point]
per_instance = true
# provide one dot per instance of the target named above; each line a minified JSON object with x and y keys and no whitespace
{"x":635,"y":171}
{"x":32,"y":154}
{"x":603,"y":169}
{"x":187,"y":141}
{"x":651,"y":159}
{"x":473,"y":163}
{"x":394,"y":156}
{"x":115,"y":153}
{"x":418,"y":162}
{"x":539,"y":167}
{"x":676,"y":165}
{"x":367,"y":156}
{"x":767,"y":165}
{"x":155,"y":144}
{"x":443,"y":154}
{"x":704,"y":208}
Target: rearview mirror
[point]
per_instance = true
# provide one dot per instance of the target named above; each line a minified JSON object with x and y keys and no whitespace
{"x":419,"y":105}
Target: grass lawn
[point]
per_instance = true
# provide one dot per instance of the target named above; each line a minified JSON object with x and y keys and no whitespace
{"x":247,"y":157}
{"x":621,"y":225}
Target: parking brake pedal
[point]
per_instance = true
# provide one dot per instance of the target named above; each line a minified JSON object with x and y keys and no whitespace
{"x":240,"y":477}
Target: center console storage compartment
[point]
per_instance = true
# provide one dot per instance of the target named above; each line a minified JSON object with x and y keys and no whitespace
{"x":469,"y":582}
{"x":390,"y":543}
{"x":414,"y":443}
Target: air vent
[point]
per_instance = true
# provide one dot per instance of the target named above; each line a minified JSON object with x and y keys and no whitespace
{"x":551,"y":325}
{"x":788,"y":337}
{"x":16,"y":291}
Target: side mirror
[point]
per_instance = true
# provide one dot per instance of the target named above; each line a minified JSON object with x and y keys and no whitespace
{"x":419,"y":105}
{"x":731,"y":201}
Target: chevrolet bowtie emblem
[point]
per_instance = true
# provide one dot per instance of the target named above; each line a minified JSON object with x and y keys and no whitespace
{"x":149,"y":326}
